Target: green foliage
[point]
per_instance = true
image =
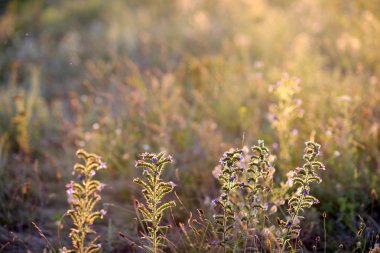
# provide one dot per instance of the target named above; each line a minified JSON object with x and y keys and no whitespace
{"x":256,"y":193}
{"x":191,"y":77}
{"x":302,"y":178}
{"x":154,"y":189}
{"x":228,"y":179}
{"x":83,"y":196}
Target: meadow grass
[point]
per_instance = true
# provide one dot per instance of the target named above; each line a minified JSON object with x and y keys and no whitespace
{"x":193,"y":78}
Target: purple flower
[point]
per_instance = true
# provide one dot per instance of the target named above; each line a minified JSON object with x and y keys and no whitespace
{"x":305,"y":192}
{"x":232,"y":178}
{"x":102,"y":213}
{"x":316,"y":201}
{"x":101,"y":186}
{"x":143,"y":155}
{"x":322,"y":167}
{"x":70,"y":191}
{"x":154,"y":159}
{"x":224,"y":197}
{"x":288,"y":224}
{"x":70,"y":185}
{"x":92,"y":173}
{"x":214,"y":202}
{"x":242,"y":184}
{"x":81,"y":177}
{"x":103,"y":165}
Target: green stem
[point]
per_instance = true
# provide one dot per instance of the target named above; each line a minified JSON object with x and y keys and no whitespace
{"x":154,"y":215}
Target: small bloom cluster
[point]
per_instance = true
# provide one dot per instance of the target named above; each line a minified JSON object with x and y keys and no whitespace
{"x":83,"y":196}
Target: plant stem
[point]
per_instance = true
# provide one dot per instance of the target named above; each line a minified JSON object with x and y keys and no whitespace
{"x":324,"y":229}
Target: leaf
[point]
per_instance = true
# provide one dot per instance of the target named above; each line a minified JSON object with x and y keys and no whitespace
{"x":145,"y":212}
{"x":165,"y":206}
{"x":144,"y":185}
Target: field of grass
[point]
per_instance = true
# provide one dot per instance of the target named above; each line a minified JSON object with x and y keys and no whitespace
{"x":203,"y":82}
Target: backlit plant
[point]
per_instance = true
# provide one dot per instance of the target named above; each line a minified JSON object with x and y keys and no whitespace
{"x":302,"y":177}
{"x":154,"y":189}
{"x":257,"y":177}
{"x":284,"y":111}
{"x":228,"y":179}
{"x":83,"y":195}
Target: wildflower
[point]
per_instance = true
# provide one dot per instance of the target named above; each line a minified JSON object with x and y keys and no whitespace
{"x":214,"y":202}
{"x":242,"y":184}
{"x":102,"y":213}
{"x":288,"y":224}
{"x":103,"y":165}
{"x":70,"y":191}
{"x":316,"y":201}
{"x":70,"y":185}
{"x":101,"y":186}
{"x":154,"y":159}
{"x":265,"y":206}
{"x":172,"y":184}
{"x":232,"y":178}
{"x":92,"y":173}
{"x":143,"y":155}
{"x":81,"y":177}
{"x":305,"y":191}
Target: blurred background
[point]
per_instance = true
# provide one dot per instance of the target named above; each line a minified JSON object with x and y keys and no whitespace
{"x":193,"y":78}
